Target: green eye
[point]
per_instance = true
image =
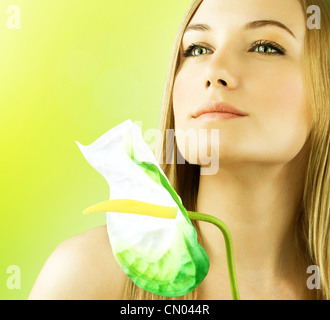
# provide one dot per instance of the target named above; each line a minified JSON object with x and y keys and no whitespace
{"x":199,"y":51}
{"x":267,"y":47}
{"x":196,"y":50}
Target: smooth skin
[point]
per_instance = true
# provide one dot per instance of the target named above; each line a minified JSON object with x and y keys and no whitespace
{"x":258,"y":188}
{"x":82,"y":267}
{"x":262,"y":157}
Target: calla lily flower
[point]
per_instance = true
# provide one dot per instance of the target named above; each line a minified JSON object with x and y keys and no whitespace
{"x":150,"y":231}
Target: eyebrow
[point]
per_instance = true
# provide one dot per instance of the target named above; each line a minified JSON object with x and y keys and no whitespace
{"x":198,"y":27}
{"x":250,"y":25}
{"x":264,"y":23}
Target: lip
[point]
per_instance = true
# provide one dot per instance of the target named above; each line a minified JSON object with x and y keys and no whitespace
{"x":220,"y":108}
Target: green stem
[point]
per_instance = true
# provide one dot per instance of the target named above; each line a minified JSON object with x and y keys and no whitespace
{"x":229,"y":247}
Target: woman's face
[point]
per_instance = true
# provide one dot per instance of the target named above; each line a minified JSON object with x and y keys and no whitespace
{"x":249,"y":54}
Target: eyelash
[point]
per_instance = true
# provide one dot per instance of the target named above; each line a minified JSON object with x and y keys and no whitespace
{"x":265,"y":43}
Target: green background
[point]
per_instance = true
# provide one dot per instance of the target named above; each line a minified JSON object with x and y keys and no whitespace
{"x":71,"y":72}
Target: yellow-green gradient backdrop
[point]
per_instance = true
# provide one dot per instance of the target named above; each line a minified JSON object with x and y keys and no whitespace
{"x":71,"y":72}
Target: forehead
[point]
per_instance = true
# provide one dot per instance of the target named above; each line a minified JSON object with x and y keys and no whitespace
{"x":220,"y":13}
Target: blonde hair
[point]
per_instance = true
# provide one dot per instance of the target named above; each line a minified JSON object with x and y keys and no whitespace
{"x":313,"y":220}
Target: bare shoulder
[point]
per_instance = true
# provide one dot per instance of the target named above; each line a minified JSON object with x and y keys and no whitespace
{"x":81,"y":267}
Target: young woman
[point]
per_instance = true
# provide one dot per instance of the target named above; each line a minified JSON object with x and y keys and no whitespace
{"x":273,"y":182}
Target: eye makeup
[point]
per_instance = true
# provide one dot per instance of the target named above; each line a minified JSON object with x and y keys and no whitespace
{"x":265,"y":47}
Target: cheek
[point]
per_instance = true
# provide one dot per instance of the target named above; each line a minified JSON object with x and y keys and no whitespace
{"x":294,"y":114}
{"x":290,"y":95}
{"x":282,"y":114}
{"x":277,"y":98}
{"x":180,"y":93}
{"x":283,"y":94}
{"x":186,"y":94}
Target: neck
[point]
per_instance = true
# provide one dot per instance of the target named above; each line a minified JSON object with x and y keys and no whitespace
{"x":259,"y":205}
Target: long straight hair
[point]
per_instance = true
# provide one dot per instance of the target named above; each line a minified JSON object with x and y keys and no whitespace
{"x":313,"y":220}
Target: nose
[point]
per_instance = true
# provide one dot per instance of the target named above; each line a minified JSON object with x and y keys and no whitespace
{"x":221,"y":72}
{"x":220,"y":82}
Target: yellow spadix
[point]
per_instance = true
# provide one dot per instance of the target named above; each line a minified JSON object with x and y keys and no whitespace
{"x":135,"y":207}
